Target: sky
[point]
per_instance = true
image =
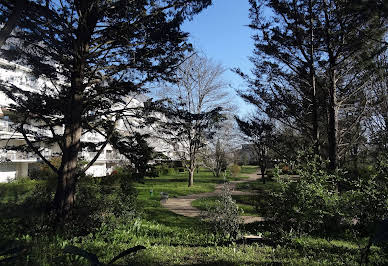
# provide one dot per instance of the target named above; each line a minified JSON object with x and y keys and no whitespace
{"x":221,"y":33}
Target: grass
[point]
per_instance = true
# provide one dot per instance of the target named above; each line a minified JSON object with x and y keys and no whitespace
{"x":171,"y":239}
{"x":258,"y":186}
{"x":245,"y":203}
{"x":17,"y":192}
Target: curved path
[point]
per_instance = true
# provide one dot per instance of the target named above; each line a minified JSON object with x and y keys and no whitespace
{"x":182,"y":205}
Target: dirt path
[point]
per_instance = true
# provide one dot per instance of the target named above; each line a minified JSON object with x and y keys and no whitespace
{"x":182,"y":205}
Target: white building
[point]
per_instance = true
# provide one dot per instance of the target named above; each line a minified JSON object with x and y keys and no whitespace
{"x":17,"y":164}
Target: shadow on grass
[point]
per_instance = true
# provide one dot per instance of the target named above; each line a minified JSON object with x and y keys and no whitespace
{"x":168,"y":218}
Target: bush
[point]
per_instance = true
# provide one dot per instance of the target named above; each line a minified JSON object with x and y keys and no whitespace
{"x":235,"y":170}
{"x":310,"y":204}
{"x":224,"y":215}
{"x":313,"y":204}
{"x":42,"y":171}
{"x":96,"y":204}
{"x":165,"y":170}
{"x":270,"y":173}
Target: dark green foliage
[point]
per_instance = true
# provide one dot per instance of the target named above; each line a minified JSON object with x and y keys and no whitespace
{"x":308,"y":204}
{"x":224,"y":215}
{"x":97,"y":203}
{"x":366,"y":198}
{"x":11,"y":251}
{"x":313,"y":203}
{"x":136,"y":149}
{"x":313,"y":70}
{"x":261,"y":134}
{"x":96,"y":58}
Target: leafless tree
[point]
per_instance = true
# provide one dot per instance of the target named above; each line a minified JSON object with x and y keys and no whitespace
{"x":198,"y":100}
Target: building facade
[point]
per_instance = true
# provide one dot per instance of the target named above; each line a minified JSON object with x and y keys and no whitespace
{"x":16,"y":164}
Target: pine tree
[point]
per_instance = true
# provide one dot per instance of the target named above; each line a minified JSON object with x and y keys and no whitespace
{"x":96,"y":56}
{"x":312,"y":61}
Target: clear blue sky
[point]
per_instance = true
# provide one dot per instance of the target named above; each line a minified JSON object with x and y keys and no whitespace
{"x":221,"y":33}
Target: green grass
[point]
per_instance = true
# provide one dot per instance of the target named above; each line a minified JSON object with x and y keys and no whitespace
{"x":172,"y":239}
{"x":17,"y":192}
{"x":248,"y":169}
{"x":246,"y":204}
{"x":258,"y":186}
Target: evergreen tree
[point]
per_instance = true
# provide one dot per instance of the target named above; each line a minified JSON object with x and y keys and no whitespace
{"x":261,"y":134}
{"x":313,"y":57}
{"x":96,"y":56}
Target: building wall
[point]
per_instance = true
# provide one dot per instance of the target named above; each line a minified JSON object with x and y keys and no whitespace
{"x":7,"y":171}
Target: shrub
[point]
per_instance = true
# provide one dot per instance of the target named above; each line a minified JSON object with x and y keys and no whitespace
{"x":42,"y":171}
{"x":96,"y":204}
{"x":310,"y":204}
{"x":270,"y":173}
{"x":235,"y":170}
{"x":224,"y":215}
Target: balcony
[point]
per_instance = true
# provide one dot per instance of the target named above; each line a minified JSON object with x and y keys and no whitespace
{"x":108,"y":156}
{"x":7,"y":126}
{"x":14,"y":156}
{"x":115,"y":156}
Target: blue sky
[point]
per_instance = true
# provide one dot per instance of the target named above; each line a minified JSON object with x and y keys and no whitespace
{"x":220,"y":32}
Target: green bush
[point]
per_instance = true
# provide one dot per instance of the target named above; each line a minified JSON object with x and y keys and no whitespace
{"x":235,"y":170}
{"x":309,"y":204}
{"x":43,"y":172}
{"x":96,"y":204}
{"x":270,"y":173}
{"x":224,"y":215}
{"x":165,"y":170}
{"x":313,"y":204}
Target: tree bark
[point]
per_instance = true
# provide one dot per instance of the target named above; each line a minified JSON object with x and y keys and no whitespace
{"x":332,"y":133}
{"x":68,"y":175}
{"x":191,"y":178}
{"x":333,"y":125}
{"x":262,"y":170}
{"x":315,"y":132}
{"x":68,"y":172}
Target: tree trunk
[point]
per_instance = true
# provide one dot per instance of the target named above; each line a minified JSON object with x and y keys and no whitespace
{"x":315,"y":133}
{"x":262,"y":170}
{"x":68,"y":175}
{"x":68,"y":172}
{"x":332,"y":133}
{"x":333,"y":124}
{"x":191,"y":177}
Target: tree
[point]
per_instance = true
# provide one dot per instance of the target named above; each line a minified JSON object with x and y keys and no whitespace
{"x":260,"y":134}
{"x":12,"y":19}
{"x":96,"y":55}
{"x":196,"y":103}
{"x":218,"y":153}
{"x":284,"y":86}
{"x":313,"y":57}
{"x":377,"y":120}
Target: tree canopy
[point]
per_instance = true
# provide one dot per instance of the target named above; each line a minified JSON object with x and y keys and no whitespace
{"x":96,"y":56}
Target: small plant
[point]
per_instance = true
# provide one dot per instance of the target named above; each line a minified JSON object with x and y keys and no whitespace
{"x":235,"y":170}
{"x":224,"y":215}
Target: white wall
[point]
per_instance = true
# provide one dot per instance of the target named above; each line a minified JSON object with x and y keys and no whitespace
{"x":7,"y":172}
{"x":97,"y":169}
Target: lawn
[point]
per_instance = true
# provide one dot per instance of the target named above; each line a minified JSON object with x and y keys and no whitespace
{"x":171,"y":239}
{"x":245,"y":203}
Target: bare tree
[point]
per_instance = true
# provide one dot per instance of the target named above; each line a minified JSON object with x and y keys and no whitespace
{"x":218,"y":153}
{"x":197,"y":102}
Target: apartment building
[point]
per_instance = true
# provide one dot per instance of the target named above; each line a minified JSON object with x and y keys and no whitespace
{"x":14,"y":164}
